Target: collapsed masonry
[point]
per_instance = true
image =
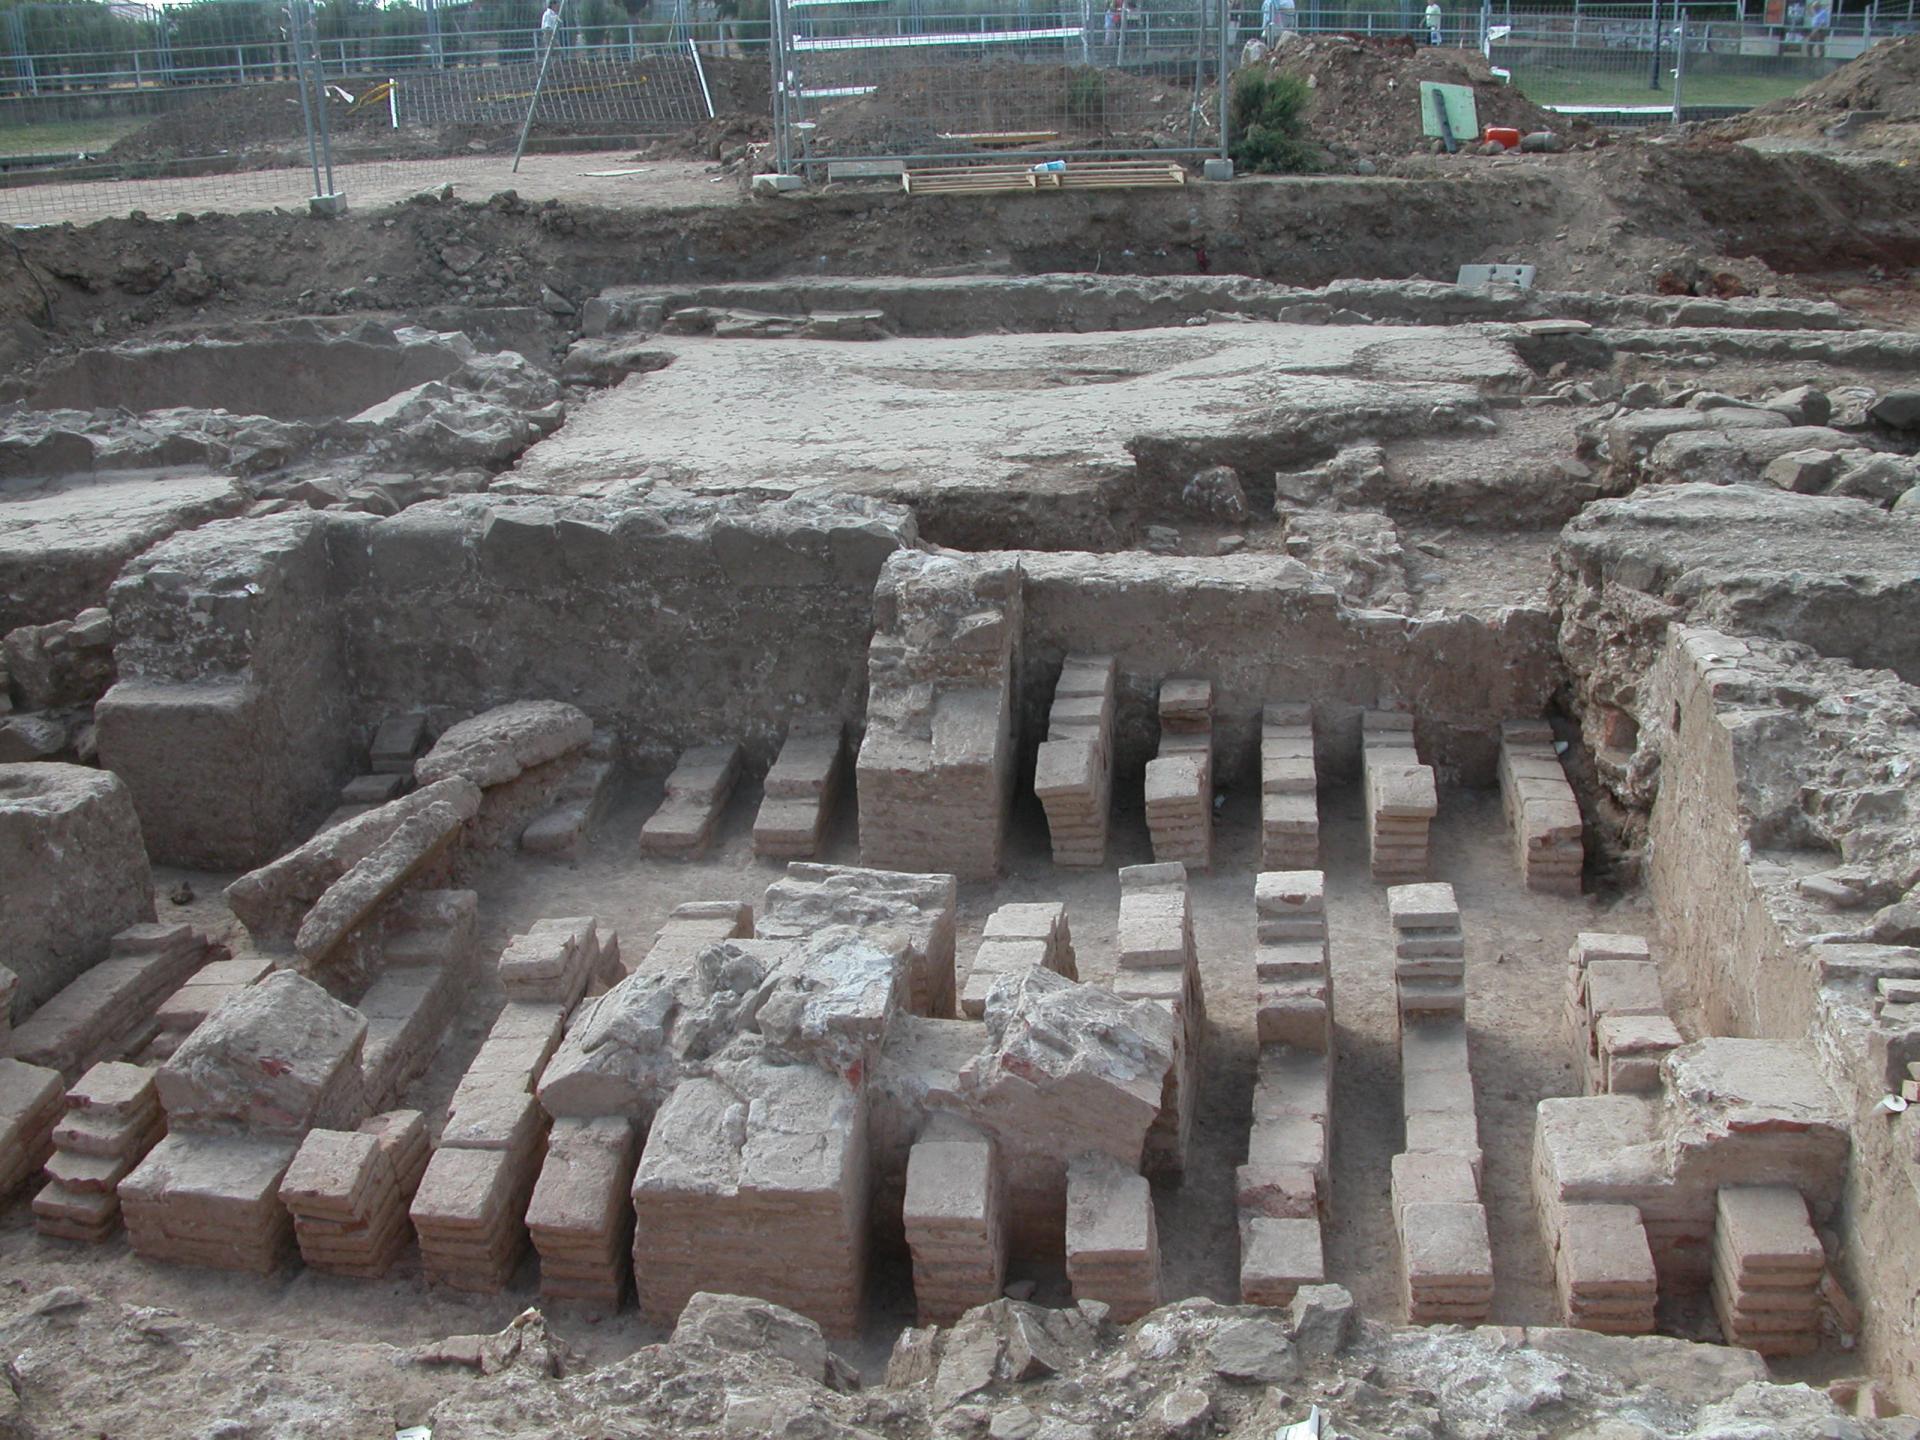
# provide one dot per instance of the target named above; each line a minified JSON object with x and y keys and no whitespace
{"x":1712,"y":1181}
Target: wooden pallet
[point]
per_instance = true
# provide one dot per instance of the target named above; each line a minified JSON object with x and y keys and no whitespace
{"x":1011,"y":179}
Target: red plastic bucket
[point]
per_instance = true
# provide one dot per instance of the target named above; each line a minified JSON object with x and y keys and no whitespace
{"x":1507,"y":135}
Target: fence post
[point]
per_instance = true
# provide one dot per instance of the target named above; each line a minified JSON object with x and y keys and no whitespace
{"x":313,"y":108}
{"x":539,"y":83}
{"x":1679,"y":60}
{"x":1653,"y":74}
{"x":1226,"y":13}
{"x":777,"y":55}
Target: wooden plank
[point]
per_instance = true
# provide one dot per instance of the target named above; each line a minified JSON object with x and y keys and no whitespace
{"x":1007,"y":179}
{"x":1002,"y":137}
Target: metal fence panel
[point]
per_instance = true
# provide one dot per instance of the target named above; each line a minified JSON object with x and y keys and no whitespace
{"x":1667,"y":60}
{"x":107,"y":107}
{"x":860,"y":80}
{"x":655,"y":91}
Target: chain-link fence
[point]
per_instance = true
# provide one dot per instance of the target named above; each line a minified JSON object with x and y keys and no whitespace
{"x":1618,"y":63}
{"x":1663,"y":61}
{"x":642,"y":90}
{"x":220,"y":104}
{"x":108,"y":106}
{"x":116,"y":46}
{"x":864,"y":83}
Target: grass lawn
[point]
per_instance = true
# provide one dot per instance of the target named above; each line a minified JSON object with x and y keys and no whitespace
{"x":1623,"y":87}
{"x":59,"y":137}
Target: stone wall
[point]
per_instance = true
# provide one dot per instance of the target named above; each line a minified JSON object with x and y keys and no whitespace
{"x":255,"y":657}
{"x":72,"y":874}
{"x":1762,"y":772}
{"x":670,"y":620}
{"x":1736,"y":961}
{"x":230,"y":719}
{"x":1262,"y":629}
{"x":1835,"y":574}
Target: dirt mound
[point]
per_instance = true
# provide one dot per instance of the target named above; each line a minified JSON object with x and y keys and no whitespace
{"x":1366,"y":92}
{"x":725,"y":138}
{"x":1083,"y":106}
{"x":262,"y":122}
{"x":740,"y":88}
{"x":742,"y":116}
{"x":246,"y":119}
{"x":1885,"y":79}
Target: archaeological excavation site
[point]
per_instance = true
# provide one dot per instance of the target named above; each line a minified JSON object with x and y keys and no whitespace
{"x":870,"y":815}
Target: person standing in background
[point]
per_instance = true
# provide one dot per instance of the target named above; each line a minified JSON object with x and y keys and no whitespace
{"x":1819,"y":22}
{"x":1434,"y":20}
{"x":550,"y":26}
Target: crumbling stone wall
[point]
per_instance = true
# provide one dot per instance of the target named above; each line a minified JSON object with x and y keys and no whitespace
{"x":1262,"y":630}
{"x":1833,"y":573}
{"x":229,"y":720}
{"x":72,"y":874}
{"x":674,"y":621}
{"x":256,"y":656}
{"x":1761,"y":774}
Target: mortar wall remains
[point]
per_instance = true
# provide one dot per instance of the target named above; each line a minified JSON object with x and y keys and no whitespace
{"x":1261,"y":629}
{"x":668,"y":620}
{"x":229,"y":721}
{"x":255,"y":656}
{"x":1730,"y":829}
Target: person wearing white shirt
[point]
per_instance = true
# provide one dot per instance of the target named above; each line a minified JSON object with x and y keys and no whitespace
{"x":1434,"y":19}
{"x":550,"y":24}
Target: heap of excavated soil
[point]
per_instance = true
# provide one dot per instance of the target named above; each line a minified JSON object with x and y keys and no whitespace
{"x":247,"y":118}
{"x":1366,"y":92}
{"x":263,"y":122}
{"x":742,"y":115}
{"x":1886,"y":78}
{"x":1085,"y":106}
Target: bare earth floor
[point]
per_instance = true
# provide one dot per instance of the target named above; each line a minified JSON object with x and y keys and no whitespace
{"x":1516,"y":944}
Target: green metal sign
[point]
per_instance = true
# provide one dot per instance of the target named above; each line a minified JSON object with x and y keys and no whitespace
{"x":1462,"y":116}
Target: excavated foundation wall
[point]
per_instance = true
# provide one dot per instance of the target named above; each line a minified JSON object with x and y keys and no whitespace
{"x":1263,"y":630}
{"x":304,"y":373}
{"x":1753,"y":979}
{"x":256,"y":656}
{"x":672,"y":623}
{"x":230,"y":719}
{"x":1737,"y":961}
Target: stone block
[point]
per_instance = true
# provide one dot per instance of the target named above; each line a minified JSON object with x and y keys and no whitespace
{"x":1277,"y":1257}
{"x":277,"y":1059}
{"x":71,"y":849}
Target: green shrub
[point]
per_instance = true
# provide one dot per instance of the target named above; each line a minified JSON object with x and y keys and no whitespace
{"x":1086,"y":100}
{"x":1267,"y":124}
